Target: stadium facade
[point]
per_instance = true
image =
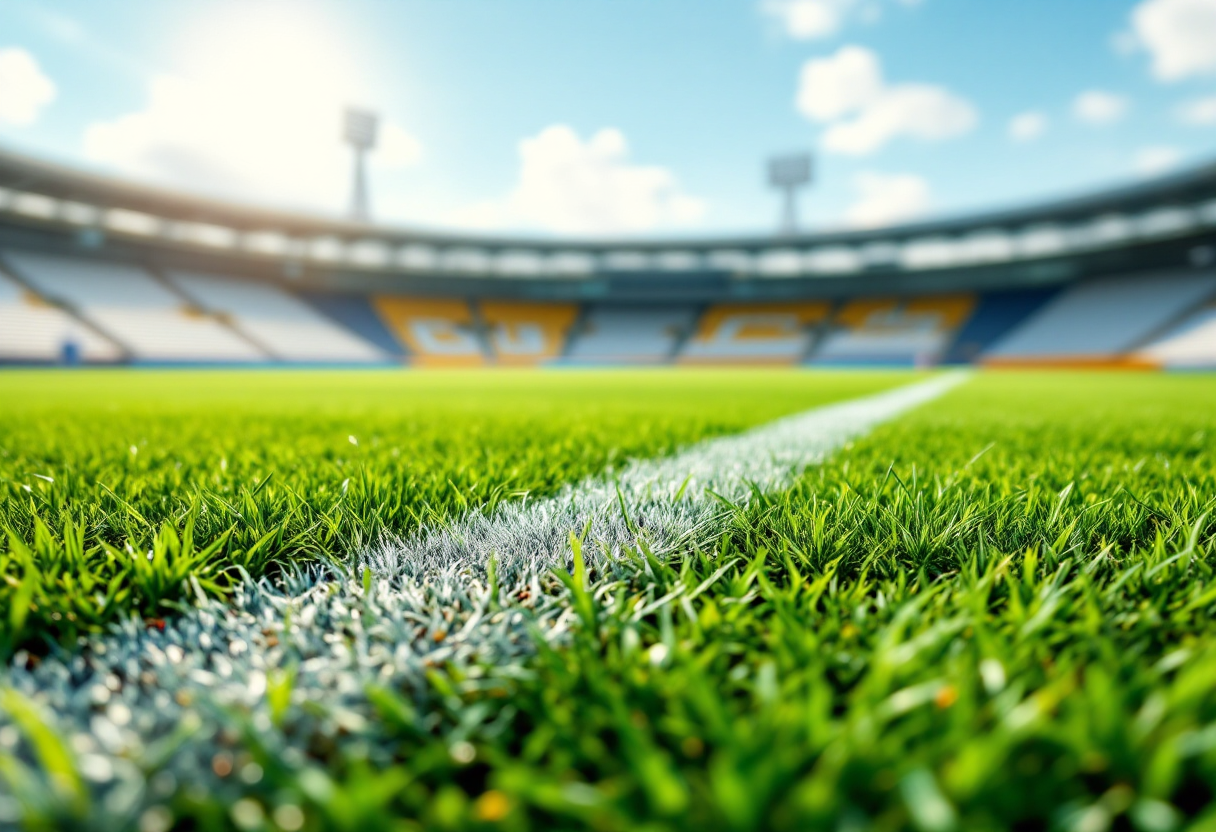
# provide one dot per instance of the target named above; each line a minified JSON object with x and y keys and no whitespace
{"x":96,"y":270}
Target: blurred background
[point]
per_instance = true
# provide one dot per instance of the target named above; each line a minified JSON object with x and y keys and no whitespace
{"x":451,"y":183}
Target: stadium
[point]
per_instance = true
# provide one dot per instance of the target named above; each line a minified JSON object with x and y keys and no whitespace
{"x":103,"y":271}
{"x":317,"y":522}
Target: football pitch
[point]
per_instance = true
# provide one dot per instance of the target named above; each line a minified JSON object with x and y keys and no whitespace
{"x":614,"y":600}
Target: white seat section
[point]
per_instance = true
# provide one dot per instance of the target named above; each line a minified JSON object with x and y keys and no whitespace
{"x":612,"y":334}
{"x":921,"y":343}
{"x":1104,"y":318}
{"x":33,"y":330}
{"x":1190,"y":344}
{"x":128,"y":304}
{"x":285,"y":325}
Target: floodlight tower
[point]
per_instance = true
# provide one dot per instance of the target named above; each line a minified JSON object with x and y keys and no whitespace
{"x":360,"y":133}
{"x":788,"y":174}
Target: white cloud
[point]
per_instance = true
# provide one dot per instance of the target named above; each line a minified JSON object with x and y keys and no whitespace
{"x":920,"y":111}
{"x":832,"y":87}
{"x":1151,"y":161}
{"x":1027,"y":126}
{"x":1200,"y":111}
{"x":258,"y":119}
{"x":863,"y":112}
{"x":24,"y":88}
{"x":809,"y":19}
{"x":1099,"y":107}
{"x":570,"y":185}
{"x":886,"y":198}
{"x":1180,"y":36}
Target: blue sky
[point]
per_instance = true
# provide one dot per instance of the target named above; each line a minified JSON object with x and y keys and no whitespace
{"x":617,"y":116}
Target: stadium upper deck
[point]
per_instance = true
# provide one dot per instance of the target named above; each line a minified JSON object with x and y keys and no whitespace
{"x":97,"y":269}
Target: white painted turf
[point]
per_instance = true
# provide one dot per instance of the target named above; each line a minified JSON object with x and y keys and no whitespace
{"x":144,"y":698}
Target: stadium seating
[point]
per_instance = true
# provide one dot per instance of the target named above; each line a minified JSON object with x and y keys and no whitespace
{"x":618,"y":334}
{"x":526,"y":333}
{"x":437,"y":332}
{"x":134,"y":309}
{"x":1190,"y":344}
{"x":69,"y":307}
{"x":995,"y":315}
{"x":1101,"y":321}
{"x":283,"y":326}
{"x":355,"y":313}
{"x":754,"y":333}
{"x":886,"y":331}
{"x":32,"y":330}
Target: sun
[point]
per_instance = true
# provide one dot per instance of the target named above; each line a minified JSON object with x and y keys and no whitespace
{"x":251,"y":108}
{"x":286,"y":55}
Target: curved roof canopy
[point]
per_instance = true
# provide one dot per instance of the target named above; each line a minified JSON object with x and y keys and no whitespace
{"x":23,"y":173}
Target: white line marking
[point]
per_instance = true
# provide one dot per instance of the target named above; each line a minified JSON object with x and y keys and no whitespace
{"x":525,"y":536}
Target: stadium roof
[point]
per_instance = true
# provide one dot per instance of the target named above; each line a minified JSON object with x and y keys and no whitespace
{"x":26,"y":174}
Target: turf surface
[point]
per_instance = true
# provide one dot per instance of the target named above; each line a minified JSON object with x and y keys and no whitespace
{"x":996,"y":612}
{"x":117,"y":486}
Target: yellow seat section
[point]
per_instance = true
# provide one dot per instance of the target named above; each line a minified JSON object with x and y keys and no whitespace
{"x":891,"y":331}
{"x":950,"y":310}
{"x":527,"y":333}
{"x":754,"y":332}
{"x":859,"y":313}
{"x":937,"y":312}
{"x":437,"y":332}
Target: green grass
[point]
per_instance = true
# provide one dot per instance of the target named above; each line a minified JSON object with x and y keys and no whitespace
{"x":994,"y":613}
{"x":118,"y":486}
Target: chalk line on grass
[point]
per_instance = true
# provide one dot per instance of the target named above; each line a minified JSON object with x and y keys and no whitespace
{"x":668,"y":500}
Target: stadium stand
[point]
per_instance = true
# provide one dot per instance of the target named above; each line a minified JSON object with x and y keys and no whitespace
{"x":436,"y":332}
{"x":1102,"y":321}
{"x":995,"y":314}
{"x":635,"y":334}
{"x":884,"y":331}
{"x":284,"y":327}
{"x":134,"y":309}
{"x":100,"y":269}
{"x":355,"y":313}
{"x":758,"y":332}
{"x":526,"y":333}
{"x":32,"y":330}
{"x":1189,"y":345}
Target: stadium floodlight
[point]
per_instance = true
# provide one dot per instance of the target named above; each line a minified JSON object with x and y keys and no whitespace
{"x":359,"y":130}
{"x":788,"y":174}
